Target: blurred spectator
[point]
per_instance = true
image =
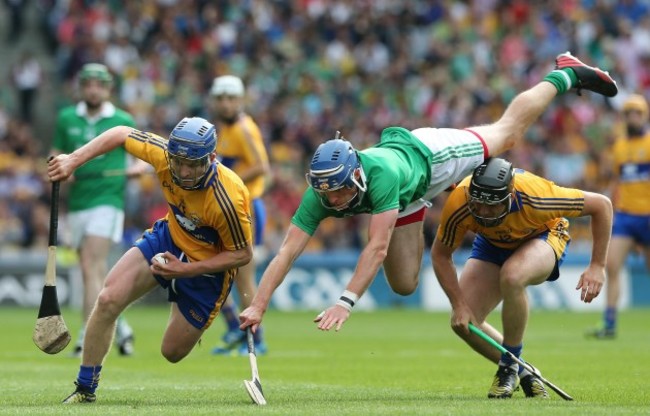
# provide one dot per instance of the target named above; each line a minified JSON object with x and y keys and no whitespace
{"x":26,"y":78}
{"x":16,"y":19}
{"x":314,"y":67}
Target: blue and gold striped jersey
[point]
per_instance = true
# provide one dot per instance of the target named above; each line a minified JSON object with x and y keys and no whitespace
{"x":631,"y":167}
{"x":202,"y":222}
{"x":538,"y":206}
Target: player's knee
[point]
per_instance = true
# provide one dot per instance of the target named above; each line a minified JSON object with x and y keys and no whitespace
{"x":172,"y":354}
{"x":404,"y":286}
{"x":108,"y":303}
{"x":402,"y":279}
{"x":510,"y":280}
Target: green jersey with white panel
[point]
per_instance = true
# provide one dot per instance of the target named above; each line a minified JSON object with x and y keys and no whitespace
{"x":100,"y":181}
{"x":404,"y":170}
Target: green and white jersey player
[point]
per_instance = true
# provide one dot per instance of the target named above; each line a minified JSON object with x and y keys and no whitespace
{"x":97,"y":193}
{"x":403,"y":171}
{"x":393,"y":182}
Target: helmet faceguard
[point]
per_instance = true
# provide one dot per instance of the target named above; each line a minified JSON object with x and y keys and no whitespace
{"x":190,"y":145}
{"x":335,"y":166}
{"x":490,"y":192}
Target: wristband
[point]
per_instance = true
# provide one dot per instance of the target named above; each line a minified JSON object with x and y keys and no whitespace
{"x":347,"y":300}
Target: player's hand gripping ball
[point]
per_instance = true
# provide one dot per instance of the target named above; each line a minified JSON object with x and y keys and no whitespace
{"x":160,"y":259}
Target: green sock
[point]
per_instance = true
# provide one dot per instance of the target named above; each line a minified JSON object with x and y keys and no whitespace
{"x":562,"y":79}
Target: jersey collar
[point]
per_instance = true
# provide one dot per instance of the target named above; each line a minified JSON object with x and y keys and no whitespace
{"x":107,"y":110}
{"x":211,"y":176}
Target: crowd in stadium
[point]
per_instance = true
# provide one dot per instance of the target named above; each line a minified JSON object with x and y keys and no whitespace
{"x":312,"y":67}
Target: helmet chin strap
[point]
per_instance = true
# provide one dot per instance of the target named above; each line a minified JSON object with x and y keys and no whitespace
{"x":361,"y":184}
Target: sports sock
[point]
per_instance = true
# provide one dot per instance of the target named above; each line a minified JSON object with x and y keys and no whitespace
{"x":229,"y":312}
{"x":522,"y":371}
{"x":609,"y":318}
{"x":89,"y":377}
{"x":515,"y":350}
{"x":562,"y":79}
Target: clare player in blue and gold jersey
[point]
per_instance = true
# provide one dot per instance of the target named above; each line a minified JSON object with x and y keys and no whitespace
{"x":630,"y":166}
{"x":521,"y":240}
{"x":194,"y":251}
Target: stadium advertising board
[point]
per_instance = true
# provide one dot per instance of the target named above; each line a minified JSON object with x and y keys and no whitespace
{"x":317,"y":281}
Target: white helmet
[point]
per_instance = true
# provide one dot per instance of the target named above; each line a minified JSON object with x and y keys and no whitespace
{"x":227,"y":85}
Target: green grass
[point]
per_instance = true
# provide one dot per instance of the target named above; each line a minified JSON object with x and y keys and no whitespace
{"x":391,"y":362}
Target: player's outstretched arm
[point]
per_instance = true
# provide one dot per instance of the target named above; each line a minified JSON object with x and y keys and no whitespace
{"x":293,"y":245}
{"x":380,"y":231}
{"x":445,"y":271}
{"x":63,"y":165}
{"x":599,"y":207}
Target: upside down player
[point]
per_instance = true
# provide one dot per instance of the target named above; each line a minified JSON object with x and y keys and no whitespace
{"x":394,"y":180}
{"x":204,"y":238}
{"x":521,"y":240}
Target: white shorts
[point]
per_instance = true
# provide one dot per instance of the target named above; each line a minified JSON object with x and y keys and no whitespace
{"x":102,"y":221}
{"x":445,"y":174}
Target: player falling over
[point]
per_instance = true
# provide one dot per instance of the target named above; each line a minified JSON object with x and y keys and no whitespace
{"x":393,"y":182}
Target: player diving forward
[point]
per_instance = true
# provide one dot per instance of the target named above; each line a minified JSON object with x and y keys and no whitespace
{"x":393,"y":182}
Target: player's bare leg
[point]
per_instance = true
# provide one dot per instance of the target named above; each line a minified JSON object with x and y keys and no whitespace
{"x":531,"y":264}
{"x":404,"y":257}
{"x":520,"y":114}
{"x":127,"y":281}
{"x":180,"y":336}
{"x":569,"y":74}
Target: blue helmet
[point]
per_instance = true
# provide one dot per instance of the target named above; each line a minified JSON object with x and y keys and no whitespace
{"x":190,"y":144}
{"x":336,"y":165}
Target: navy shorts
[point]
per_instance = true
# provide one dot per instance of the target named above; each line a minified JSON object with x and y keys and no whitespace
{"x":636,"y":227}
{"x":199,"y":298}
{"x":483,"y":250}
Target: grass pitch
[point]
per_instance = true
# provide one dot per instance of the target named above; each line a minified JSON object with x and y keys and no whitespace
{"x":389,"y":362}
